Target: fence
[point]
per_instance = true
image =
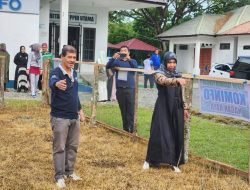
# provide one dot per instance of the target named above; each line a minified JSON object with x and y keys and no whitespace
{"x":2,"y":75}
{"x":225,"y":146}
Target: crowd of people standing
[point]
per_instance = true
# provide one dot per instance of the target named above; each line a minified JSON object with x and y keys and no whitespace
{"x":29,"y":67}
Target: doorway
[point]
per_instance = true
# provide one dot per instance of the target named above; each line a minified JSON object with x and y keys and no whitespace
{"x":205,"y":60}
{"x":73,"y":38}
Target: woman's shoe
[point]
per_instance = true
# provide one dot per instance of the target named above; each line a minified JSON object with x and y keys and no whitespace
{"x":145,"y":165}
{"x":176,"y":169}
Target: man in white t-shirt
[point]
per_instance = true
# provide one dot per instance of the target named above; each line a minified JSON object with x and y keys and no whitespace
{"x":148,"y":65}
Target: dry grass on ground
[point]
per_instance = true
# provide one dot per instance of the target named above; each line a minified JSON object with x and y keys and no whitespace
{"x":105,"y":160}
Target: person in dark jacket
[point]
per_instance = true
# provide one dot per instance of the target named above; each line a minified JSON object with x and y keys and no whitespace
{"x":125,"y":86}
{"x":66,"y":114}
{"x":4,"y":52}
{"x":166,"y":142}
{"x":21,"y":60}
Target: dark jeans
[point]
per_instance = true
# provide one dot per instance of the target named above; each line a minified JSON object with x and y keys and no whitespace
{"x":151,"y":81}
{"x":126,"y":101}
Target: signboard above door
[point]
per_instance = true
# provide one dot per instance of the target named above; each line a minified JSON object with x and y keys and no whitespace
{"x":82,"y":18}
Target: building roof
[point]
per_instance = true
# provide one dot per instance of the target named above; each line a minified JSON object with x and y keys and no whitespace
{"x":207,"y":24}
{"x":113,"y":46}
{"x":135,"y":44}
{"x":240,"y":16}
{"x":240,"y":29}
{"x":201,"y":25}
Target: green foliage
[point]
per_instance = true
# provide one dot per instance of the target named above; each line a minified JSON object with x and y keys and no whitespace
{"x":210,"y":139}
{"x":119,"y":32}
{"x":222,"y":6}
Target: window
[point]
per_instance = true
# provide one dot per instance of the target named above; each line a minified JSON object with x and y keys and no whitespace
{"x":246,"y":47}
{"x":183,"y":47}
{"x":89,"y":44}
{"x":224,"y":46}
{"x":222,"y":68}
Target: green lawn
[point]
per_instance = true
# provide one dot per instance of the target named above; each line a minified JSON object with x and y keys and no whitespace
{"x":217,"y":141}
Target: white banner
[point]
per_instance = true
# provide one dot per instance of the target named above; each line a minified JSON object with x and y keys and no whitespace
{"x":20,"y":6}
{"x":225,"y":98}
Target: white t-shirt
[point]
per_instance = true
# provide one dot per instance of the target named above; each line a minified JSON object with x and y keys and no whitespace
{"x":147,"y":64}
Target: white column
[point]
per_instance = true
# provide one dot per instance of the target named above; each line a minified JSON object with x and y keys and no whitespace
{"x":196,"y":69}
{"x":171,"y":46}
{"x":64,"y":18}
{"x":44,"y":21}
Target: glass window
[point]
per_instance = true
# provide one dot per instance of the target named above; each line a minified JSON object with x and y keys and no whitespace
{"x":89,"y":44}
{"x":224,"y":46}
{"x":218,"y":67}
{"x":246,"y":47}
{"x":243,"y":64}
{"x":183,"y":47}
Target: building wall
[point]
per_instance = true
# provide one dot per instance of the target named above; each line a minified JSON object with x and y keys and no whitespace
{"x":101,"y":27}
{"x":242,"y":41}
{"x":223,"y":56}
{"x":18,"y":29}
{"x":185,"y":59}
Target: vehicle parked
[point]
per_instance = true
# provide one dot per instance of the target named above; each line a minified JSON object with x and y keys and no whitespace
{"x":241,"y":68}
{"x":221,"y":70}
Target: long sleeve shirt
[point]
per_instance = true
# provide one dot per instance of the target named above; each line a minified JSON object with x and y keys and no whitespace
{"x":156,"y":60}
{"x":34,"y":60}
{"x":64,"y":104}
{"x":124,"y":79}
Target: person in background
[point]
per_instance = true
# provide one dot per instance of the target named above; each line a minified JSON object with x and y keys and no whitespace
{"x":110,"y":84}
{"x":3,"y":52}
{"x":156,"y":59}
{"x":66,"y":114}
{"x":148,"y":65}
{"x":46,"y":55}
{"x":34,"y":67}
{"x":125,"y":86}
{"x":21,"y":60}
{"x":166,"y":142}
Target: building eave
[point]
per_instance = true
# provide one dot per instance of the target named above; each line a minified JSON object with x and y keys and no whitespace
{"x":184,"y":36}
{"x":150,"y":2}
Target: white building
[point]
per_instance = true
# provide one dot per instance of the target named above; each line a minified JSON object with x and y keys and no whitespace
{"x":210,"y":39}
{"x":81,"y":23}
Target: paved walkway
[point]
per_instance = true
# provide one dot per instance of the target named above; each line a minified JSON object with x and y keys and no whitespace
{"x":146,"y":97}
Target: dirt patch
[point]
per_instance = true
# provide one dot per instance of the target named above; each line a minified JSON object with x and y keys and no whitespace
{"x":105,"y":160}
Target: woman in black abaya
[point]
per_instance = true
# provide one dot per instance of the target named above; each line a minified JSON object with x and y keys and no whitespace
{"x":166,"y":142}
{"x":21,"y":60}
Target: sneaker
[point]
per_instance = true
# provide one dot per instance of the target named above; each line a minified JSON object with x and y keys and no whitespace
{"x":60,"y":183}
{"x":33,"y":96}
{"x":176,"y":169}
{"x":145,"y":166}
{"x":74,"y":177}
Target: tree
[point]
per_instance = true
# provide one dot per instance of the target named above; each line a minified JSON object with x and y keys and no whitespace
{"x":119,"y":32}
{"x":150,"y":22}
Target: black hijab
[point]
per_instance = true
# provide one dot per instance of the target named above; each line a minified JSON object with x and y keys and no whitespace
{"x":163,"y":69}
{"x":23,"y":54}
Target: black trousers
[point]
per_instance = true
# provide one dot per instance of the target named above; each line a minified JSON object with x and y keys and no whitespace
{"x":151,"y":81}
{"x":126,"y":101}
